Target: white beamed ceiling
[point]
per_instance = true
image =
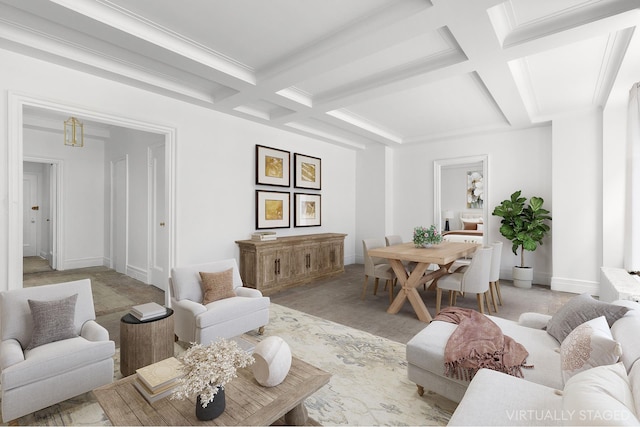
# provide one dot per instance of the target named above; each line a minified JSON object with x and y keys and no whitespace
{"x":350,"y":72}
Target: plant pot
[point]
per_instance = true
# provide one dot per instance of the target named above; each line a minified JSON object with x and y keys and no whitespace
{"x":522,"y":277}
{"x":214,"y":409}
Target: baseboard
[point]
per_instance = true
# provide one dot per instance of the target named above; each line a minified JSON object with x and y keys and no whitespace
{"x":138,"y":273}
{"x":575,"y":286}
{"x":81,"y":263}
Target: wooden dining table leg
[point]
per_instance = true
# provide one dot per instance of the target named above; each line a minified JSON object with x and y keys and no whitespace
{"x":409,"y":284}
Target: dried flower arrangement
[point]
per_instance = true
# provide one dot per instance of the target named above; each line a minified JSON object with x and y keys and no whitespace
{"x":208,"y":367}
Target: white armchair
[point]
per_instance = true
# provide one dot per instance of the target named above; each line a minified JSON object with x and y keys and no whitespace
{"x":34,"y":378}
{"x":224,"y":318}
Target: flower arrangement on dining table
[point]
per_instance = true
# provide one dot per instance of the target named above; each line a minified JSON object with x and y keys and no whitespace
{"x":423,"y":236}
{"x":207,"y":368}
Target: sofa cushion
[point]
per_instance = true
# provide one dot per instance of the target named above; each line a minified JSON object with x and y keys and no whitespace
{"x":53,"y":359}
{"x":426,"y":350}
{"x":625,"y":331}
{"x":497,"y":399}
{"x":217,"y":285}
{"x":634,"y":383}
{"x":587,"y":346}
{"x":578,"y":310}
{"x":599,"y":396}
{"x":52,"y":320}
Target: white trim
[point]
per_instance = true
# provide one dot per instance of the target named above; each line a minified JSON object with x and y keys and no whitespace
{"x":575,"y":286}
{"x":137,"y":273}
{"x":16,"y":103}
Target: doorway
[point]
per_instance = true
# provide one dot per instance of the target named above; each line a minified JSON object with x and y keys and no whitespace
{"x":39,"y":213}
{"x":17,"y":106}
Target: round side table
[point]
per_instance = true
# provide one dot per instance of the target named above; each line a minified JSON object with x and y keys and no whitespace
{"x":145,"y":342}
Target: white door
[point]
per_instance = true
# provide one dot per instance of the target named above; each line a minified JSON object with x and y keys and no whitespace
{"x":159,"y":228}
{"x":119,"y":220}
{"x":30,"y":214}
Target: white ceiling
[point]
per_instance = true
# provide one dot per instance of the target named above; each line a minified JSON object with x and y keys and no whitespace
{"x":350,"y":72}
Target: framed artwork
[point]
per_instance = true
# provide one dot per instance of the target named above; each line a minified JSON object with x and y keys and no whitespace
{"x":307,"y":210}
{"x":307,"y":171}
{"x":272,"y":166}
{"x":272,"y":209}
{"x":475,"y":190}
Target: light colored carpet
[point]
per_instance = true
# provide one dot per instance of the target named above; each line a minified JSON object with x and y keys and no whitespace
{"x":369,"y":384}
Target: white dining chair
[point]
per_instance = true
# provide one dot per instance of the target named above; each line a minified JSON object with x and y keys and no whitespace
{"x":378,"y":268}
{"x":474,"y":280}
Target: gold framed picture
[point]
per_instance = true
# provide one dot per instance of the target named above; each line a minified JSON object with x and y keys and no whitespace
{"x":272,"y":209}
{"x":272,"y":166}
{"x":307,"y":171}
{"x":307,"y":210}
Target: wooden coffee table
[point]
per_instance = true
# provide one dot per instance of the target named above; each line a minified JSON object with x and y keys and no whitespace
{"x":247,"y":402}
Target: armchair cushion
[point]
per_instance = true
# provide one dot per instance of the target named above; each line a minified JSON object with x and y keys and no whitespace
{"x":229,"y":308}
{"x":56,"y":358}
{"x":52,"y":320}
{"x":217,"y":285}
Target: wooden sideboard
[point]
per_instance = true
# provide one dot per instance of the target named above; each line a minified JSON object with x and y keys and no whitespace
{"x":289,"y":261}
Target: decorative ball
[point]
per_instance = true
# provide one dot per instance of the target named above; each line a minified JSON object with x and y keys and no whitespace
{"x":273,"y":361}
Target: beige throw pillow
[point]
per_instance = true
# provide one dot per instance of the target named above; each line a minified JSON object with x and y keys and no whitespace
{"x":587,"y":346}
{"x":217,"y":286}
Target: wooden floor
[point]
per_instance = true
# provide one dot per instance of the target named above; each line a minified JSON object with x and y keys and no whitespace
{"x":337,"y":299}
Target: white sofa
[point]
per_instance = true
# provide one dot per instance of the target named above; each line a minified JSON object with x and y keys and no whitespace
{"x":494,"y":398}
{"x":33,"y":379}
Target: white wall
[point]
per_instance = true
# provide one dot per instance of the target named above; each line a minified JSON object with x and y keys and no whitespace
{"x":133,"y":144}
{"x":577,"y":197}
{"x":372,"y":199}
{"x":518,"y":160}
{"x":215,"y":162}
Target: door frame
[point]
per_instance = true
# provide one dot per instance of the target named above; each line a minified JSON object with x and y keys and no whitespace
{"x":112,"y":216}
{"x":56,"y":190}
{"x":16,"y":103}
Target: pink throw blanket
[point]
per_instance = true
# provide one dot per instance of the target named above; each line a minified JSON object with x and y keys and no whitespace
{"x":478,"y":343}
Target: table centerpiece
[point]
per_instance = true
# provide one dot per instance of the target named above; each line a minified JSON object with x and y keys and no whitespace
{"x":426,"y":237}
{"x":207,"y":369}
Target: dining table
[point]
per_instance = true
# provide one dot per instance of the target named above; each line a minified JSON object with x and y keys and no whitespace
{"x":442,"y":254}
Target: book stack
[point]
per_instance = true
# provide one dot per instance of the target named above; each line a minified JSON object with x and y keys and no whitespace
{"x":264,"y":235}
{"x":158,"y":380}
{"x":148,"y":311}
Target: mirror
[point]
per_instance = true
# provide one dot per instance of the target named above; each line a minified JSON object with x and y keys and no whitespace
{"x":461,"y":186}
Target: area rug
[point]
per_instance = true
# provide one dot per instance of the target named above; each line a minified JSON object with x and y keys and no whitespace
{"x":368,"y":386}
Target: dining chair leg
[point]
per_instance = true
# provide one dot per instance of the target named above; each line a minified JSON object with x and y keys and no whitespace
{"x":497,"y":283}
{"x":391,"y":286}
{"x":364,"y":286}
{"x":487,"y":296}
{"x":451,"y":303}
{"x":438,"y":299}
{"x":480,"y":303}
{"x":492,"y":288}
{"x":375,"y":286}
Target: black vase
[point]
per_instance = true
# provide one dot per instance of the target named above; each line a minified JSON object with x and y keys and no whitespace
{"x":214,"y":409}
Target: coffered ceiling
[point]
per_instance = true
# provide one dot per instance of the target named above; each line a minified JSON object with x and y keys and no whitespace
{"x":350,"y":72}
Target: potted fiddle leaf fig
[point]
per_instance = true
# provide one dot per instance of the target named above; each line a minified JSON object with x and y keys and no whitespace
{"x":525,"y":225}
